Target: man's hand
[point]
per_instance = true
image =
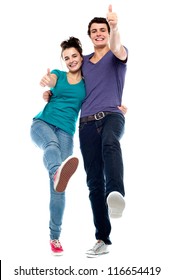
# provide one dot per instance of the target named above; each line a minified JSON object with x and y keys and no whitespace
{"x":112,"y":18}
{"x":123,"y":109}
{"x":47,"y":95}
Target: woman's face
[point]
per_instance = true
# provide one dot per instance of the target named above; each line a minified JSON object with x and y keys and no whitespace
{"x":73,"y":59}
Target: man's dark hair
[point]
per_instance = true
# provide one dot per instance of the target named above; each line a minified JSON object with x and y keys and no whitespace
{"x":97,"y":20}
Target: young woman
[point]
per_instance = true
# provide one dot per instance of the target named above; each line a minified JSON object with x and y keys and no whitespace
{"x":53,"y":128}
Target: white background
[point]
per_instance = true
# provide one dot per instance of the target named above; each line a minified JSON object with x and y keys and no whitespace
{"x":31,"y":32}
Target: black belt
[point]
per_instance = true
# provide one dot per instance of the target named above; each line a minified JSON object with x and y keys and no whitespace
{"x":96,"y":117}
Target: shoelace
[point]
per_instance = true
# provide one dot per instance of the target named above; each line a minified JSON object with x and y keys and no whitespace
{"x":96,"y":246}
{"x":56,"y":243}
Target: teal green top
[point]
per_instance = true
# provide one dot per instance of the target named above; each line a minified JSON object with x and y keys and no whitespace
{"x":63,"y":108}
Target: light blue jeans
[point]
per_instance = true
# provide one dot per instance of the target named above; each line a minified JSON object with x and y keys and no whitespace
{"x":57,"y":145}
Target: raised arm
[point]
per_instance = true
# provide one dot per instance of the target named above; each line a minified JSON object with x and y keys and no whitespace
{"x":115,"y":43}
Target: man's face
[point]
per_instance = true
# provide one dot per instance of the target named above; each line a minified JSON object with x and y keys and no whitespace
{"x":99,"y":34}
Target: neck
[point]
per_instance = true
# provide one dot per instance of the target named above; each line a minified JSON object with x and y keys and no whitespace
{"x":74,"y":77}
{"x":101,"y":51}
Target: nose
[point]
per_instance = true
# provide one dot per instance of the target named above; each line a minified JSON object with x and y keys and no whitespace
{"x":98,"y":32}
{"x":71,"y":59}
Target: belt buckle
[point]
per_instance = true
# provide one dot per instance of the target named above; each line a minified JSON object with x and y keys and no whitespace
{"x":99,"y":116}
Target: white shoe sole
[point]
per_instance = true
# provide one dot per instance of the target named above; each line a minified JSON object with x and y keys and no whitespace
{"x":116,"y":204}
{"x":96,"y":255}
{"x":65,"y":171}
{"x":57,"y":254}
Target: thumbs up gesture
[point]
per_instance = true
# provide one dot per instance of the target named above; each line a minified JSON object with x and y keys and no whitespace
{"x":46,"y":79}
{"x":112,"y":18}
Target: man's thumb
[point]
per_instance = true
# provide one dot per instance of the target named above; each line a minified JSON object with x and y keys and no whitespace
{"x":110,"y":9}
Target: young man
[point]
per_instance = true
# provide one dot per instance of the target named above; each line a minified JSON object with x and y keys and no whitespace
{"x":102,"y":126}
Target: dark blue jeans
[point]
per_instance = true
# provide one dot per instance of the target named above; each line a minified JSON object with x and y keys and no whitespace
{"x":103,"y":163}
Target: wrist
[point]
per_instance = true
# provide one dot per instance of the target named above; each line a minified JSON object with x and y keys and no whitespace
{"x":114,"y":29}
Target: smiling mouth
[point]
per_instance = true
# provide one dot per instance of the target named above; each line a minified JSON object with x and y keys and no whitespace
{"x":99,"y":39}
{"x":73,"y":64}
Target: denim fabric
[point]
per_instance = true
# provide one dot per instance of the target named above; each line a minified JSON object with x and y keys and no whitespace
{"x":103,"y":163}
{"x":56,"y":207}
{"x":57,"y":145}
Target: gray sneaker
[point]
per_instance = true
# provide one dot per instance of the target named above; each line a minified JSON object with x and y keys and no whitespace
{"x":100,"y":248}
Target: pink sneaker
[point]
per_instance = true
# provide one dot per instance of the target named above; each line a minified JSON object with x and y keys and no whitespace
{"x":64,"y":173}
{"x":56,"y":247}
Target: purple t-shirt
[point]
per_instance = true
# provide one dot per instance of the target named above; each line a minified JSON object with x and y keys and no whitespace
{"x":104,"y":83}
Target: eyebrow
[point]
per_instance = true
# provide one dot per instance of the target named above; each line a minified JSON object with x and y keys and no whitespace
{"x":74,"y":54}
{"x":101,"y":28}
